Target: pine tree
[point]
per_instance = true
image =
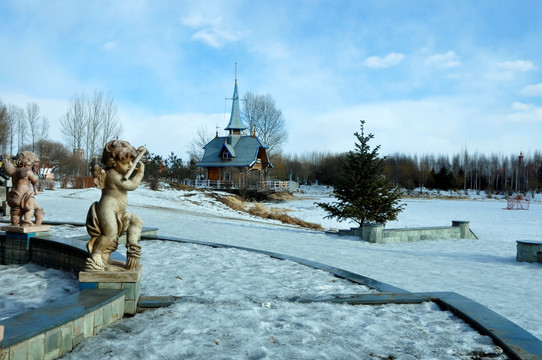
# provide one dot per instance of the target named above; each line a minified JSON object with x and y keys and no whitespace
{"x":364,"y":194}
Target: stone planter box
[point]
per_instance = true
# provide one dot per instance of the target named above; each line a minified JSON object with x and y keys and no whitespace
{"x":375,"y":233}
{"x":529,"y":251}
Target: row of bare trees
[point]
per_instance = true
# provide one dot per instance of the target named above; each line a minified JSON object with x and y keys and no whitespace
{"x":462,"y":171}
{"x":21,"y":127}
{"x":308,"y":168}
{"x":494,"y":173}
{"x":90,"y":122}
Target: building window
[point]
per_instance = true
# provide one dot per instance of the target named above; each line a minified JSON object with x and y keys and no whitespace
{"x":226,"y":155}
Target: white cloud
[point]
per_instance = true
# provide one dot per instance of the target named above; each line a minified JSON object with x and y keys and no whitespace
{"x":197,"y":21}
{"x":399,"y":126}
{"x":517,"y":65}
{"x":532,"y":90}
{"x":500,"y":76}
{"x":526,"y":113}
{"x":214,"y":37}
{"x":522,"y":107}
{"x":110,"y":45}
{"x":210,"y":31}
{"x":443,"y":61}
{"x":272,"y":51}
{"x":506,"y":70}
{"x":387,"y":61}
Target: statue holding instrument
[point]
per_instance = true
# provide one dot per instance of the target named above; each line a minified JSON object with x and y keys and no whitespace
{"x":107,"y":218}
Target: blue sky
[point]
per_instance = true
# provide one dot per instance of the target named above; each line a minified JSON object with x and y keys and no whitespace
{"x":427,"y":76}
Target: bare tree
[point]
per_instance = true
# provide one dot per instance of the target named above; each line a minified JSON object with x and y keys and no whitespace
{"x":94,"y":123}
{"x":52,"y":154}
{"x":43,"y":130}
{"x":265,"y":119}
{"x":4,"y":128}
{"x":74,"y":123}
{"x":111,"y":126}
{"x":202,"y":138}
{"x":33,"y":120}
{"x":90,"y":123}
{"x":12,"y":128}
{"x":18,"y":128}
{"x":250,"y":111}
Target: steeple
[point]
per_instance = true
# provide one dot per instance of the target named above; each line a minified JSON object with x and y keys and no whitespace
{"x":235,"y":126}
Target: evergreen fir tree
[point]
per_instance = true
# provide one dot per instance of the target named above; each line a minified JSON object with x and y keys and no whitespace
{"x":364,"y":194}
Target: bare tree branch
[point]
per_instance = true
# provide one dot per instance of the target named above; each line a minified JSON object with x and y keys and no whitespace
{"x":262,"y":116}
{"x":202,"y":138}
{"x":90,"y":123}
{"x":94,"y":123}
{"x":4,"y":128}
{"x":33,"y":120}
{"x":111,"y":126}
{"x":74,"y":123}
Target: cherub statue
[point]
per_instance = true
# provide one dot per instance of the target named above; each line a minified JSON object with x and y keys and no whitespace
{"x":108,"y":219}
{"x":21,"y":198}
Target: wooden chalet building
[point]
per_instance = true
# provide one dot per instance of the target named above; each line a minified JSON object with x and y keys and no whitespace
{"x":235,"y":160}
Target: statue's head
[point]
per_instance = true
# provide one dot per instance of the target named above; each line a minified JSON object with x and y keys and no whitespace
{"x":117,"y":150}
{"x":27,"y":158}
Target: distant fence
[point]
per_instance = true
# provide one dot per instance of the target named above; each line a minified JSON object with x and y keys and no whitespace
{"x":273,"y":185}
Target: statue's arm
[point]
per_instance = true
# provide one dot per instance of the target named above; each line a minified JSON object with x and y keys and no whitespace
{"x":34,"y":180}
{"x":8,"y":166}
{"x":117,"y":180}
{"x":134,"y":182}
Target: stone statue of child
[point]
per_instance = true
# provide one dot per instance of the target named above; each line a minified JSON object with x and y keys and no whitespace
{"x":108,"y":219}
{"x":21,"y":198}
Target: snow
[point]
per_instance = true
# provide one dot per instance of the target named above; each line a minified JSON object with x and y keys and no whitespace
{"x":31,"y":286}
{"x":239,"y":304}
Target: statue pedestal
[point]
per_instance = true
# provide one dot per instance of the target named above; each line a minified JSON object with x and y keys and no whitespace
{"x":122,"y":279}
{"x":33,"y":230}
{"x":17,"y":243}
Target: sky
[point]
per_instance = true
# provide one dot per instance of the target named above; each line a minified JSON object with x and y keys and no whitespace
{"x":427,"y":76}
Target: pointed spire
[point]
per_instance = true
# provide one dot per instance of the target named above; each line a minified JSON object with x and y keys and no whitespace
{"x":235,"y":126}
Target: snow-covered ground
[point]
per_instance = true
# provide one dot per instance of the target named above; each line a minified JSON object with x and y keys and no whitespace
{"x":254,"y":321}
{"x":29,"y":286}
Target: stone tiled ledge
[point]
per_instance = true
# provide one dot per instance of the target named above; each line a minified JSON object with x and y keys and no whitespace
{"x":529,"y":251}
{"x":54,"y":329}
{"x":375,"y":233}
{"x":46,"y":250}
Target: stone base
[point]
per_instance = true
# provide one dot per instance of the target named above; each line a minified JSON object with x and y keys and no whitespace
{"x":111,"y":276}
{"x":529,"y":251}
{"x":124,"y":279}
{"x":26,"y":229}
